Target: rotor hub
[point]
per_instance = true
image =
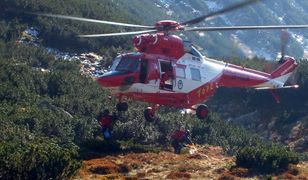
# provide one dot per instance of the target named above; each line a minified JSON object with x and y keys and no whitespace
{"x":168,"y":25}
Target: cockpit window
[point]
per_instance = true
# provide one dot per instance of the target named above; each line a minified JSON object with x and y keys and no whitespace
{"x":115,"y":63}
{"x":195,"y":52}
{"x":191,"y":49}
{"x":128,"y":64}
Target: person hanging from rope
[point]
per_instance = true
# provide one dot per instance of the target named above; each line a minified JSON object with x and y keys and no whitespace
{"x":107,"y":121}
{"x":179,"y":139}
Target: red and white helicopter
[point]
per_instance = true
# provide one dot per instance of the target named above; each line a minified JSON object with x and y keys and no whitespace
{"x":168,"y":71}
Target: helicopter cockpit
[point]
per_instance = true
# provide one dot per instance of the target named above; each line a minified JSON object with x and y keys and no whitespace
{"x":125,"y":64}
{"x":124,"y":71}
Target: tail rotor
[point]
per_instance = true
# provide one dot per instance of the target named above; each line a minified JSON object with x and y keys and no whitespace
{"x":284,"y":40}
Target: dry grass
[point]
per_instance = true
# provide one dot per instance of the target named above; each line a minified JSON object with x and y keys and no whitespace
{"x":207,"y":163}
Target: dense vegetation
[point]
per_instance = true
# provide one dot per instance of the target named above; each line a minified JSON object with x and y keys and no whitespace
{"x":48,"y":119}
{"x":266,"y":159}
{"x":56,"y":111}
{"x":61,"y":34}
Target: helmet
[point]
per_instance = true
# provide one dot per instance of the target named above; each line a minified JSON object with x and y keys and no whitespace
{"x":188,"y":132}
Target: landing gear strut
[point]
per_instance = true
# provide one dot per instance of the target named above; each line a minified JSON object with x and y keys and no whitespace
{"x":202,"y":111}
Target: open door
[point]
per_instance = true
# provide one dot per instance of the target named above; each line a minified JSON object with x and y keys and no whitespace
{"x":143,"y":76}
{"x":166,"y":75}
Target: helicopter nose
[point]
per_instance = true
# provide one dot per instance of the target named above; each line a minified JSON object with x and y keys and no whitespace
{"x":115,"y":79}
{"x":111,"y":79}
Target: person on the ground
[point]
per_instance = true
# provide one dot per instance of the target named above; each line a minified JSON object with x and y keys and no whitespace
{"x":107,"y":121}
{"x":179,"y":139}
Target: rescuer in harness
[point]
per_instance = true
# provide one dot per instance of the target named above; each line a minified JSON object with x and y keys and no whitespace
{"x":166,"y":76}
{"x":107,"y":121}
{"x":179,"y":139}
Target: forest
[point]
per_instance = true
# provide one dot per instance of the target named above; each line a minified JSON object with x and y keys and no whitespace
{"x":49,"y":119}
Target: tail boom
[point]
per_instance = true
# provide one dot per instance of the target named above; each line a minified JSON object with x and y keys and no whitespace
{"x":237,"y":76}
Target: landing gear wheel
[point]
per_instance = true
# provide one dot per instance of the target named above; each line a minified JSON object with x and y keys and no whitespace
{"x":149,"y":114}
{"x":122,"y":106}
{"x":202,"y":111}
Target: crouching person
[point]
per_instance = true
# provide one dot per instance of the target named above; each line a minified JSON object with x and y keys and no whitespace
{"x":179,"y":139}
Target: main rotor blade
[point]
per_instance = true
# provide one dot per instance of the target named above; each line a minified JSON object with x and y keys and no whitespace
{"x":246,"y":28}
{"x":93,"y":20}
{"x":219,"y":12}
{"x":116,"y":34}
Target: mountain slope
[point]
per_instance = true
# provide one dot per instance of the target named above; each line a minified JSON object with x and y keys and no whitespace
{"x":48,"y":117}
{"x":244,"y":43}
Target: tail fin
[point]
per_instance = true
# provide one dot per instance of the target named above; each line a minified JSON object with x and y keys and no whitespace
{"x":287,"y":67}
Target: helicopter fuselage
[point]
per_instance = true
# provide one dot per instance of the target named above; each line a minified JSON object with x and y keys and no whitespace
{"x":192,"y":78}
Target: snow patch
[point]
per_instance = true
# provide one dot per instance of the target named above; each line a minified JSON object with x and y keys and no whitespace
{"x":213,"y":5}
{"x":201,"y":34}
{"x":245,"y":49}
{"x":169,"y":12}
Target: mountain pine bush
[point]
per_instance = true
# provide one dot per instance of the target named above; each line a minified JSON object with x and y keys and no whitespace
{"x":267,"y":159}
{"x":38,"y":159}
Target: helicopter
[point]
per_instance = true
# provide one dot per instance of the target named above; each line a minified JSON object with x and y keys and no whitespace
{"x":168,"y":71}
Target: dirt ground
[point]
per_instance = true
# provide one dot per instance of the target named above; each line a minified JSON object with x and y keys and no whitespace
{"x":206,"y":162}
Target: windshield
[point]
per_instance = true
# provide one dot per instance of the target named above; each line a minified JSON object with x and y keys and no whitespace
{"x":191,"y":49}
{"x":115,"y":63}
{"x":195,"y":52}
{"x":127,"y":64}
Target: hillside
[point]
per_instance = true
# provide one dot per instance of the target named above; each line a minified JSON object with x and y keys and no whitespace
{"x":61,"y":34}
{"x":265,"y":44}
{"x":284,"y":122}
{"x":49,"y":109}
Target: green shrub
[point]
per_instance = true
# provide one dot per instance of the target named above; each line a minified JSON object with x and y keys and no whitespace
{"x":267,"y":159}
{"x":303,"y":156}
{"x":37,"y":159}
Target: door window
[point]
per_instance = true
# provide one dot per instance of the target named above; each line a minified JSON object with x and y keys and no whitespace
{"x":180,"y":72}
{"x":195,"y":74}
